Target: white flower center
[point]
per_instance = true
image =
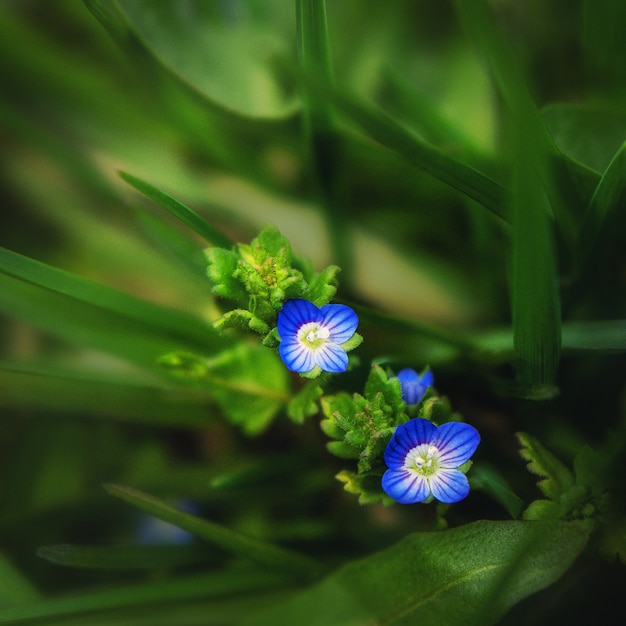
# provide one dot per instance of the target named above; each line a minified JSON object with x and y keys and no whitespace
{"x":312,"y":335}
{"x":423,"y":460}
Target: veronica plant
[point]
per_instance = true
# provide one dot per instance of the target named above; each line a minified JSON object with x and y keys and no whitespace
{"x":315,"y":340}
{"x":426,"y":461}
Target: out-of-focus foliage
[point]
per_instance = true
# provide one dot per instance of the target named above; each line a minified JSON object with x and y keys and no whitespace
{"x":453,"y":171}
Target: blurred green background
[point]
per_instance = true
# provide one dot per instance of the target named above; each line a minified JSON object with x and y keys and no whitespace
{"x":405,"y":169}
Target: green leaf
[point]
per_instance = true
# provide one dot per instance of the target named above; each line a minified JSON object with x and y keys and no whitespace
{"x":125,"y":558}
{"x":243,"y":546}
{"x":491,"y":481}
{"x":534,"y":294}
{"x":52,"y":387}
{"x":557,"y":478}
{"x":158,"y":594}
{"x":305,"y":402}
{"x":179,"y":210}
{"x":590,"y":135}
{"x":151,"y":316}
{"x":250,"y":383}
{"x":607,"y":199}
{"x":15,"y":589}
{"x":225,"y":57}
{"x":427,"y":578}
{"x":387,"y":131}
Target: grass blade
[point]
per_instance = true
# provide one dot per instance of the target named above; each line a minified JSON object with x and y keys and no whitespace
{"x":125,"y":558}
{"x":178,"y":210}
{"x":607,"y":198}
{"x":184,"y":589}
{"x":15,"y":590}
{"x":388,"y":132}
{"x":59,"y":281}
{"x":48,"y":387}
{"x":244,"y":546}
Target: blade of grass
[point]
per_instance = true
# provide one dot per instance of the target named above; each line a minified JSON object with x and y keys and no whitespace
{"x":244,"y":546}
{"x":86,"y":325}
{"x":151,"y":315}
{"x":86,"y":394}
{"x":218,"y":584}
{"x":125,"y":558}
{"x":323,"y":142}
{"x":15,"y":590}
{"x":535,"y":299}
{"x":388,"y":132}
{"x":178,"y":210}
{"x":607,"y":198}
{"x":477,"y":19}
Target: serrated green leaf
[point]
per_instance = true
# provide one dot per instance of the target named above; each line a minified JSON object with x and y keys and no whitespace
{"x":250,"y":383}
{"x":343,"y":450}
{"x":244,"y":546}
{"x":322,"y":287}
{"x":178,"y":210}
{"x":558,"y":479}
{"x":305,"y":402}
{"x":427,"y":578}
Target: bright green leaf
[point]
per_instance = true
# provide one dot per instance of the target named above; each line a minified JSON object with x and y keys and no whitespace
{"x":427,"y":578}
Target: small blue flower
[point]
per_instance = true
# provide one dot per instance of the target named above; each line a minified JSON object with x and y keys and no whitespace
{"x":413,"y":385}
{"x":423,"y":459}
{"x":313,"y":337}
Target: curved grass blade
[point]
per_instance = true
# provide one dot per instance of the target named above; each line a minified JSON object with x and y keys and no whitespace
{"x":220,"y":584}
{"x":178,"y":210}
{"x":151,"y":315}
{"x":607,"y":198}
{"x":244,"y":546}
{"x":125,"y":558}
{"x":388,"y":132}
{"x":15,"y":589}
{"x":47,"y":387}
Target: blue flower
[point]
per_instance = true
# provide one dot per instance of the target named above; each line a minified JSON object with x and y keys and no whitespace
{"x":413,"y":385}
{"x":313,"y":337}
{"x":423,"y":460}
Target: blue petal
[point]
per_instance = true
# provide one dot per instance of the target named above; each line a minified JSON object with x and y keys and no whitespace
{"x":406,"y":437}
{"x":295,"y":356}
{"x":331,"y":358}
{"x":449,"y":485}
{"x":428,"y":378}
{"x":340,"y":320}
{"x":294,"y":314}
{"x":456,"y":443}
{"x":404,"y":486}
{"x":413,"y":385}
